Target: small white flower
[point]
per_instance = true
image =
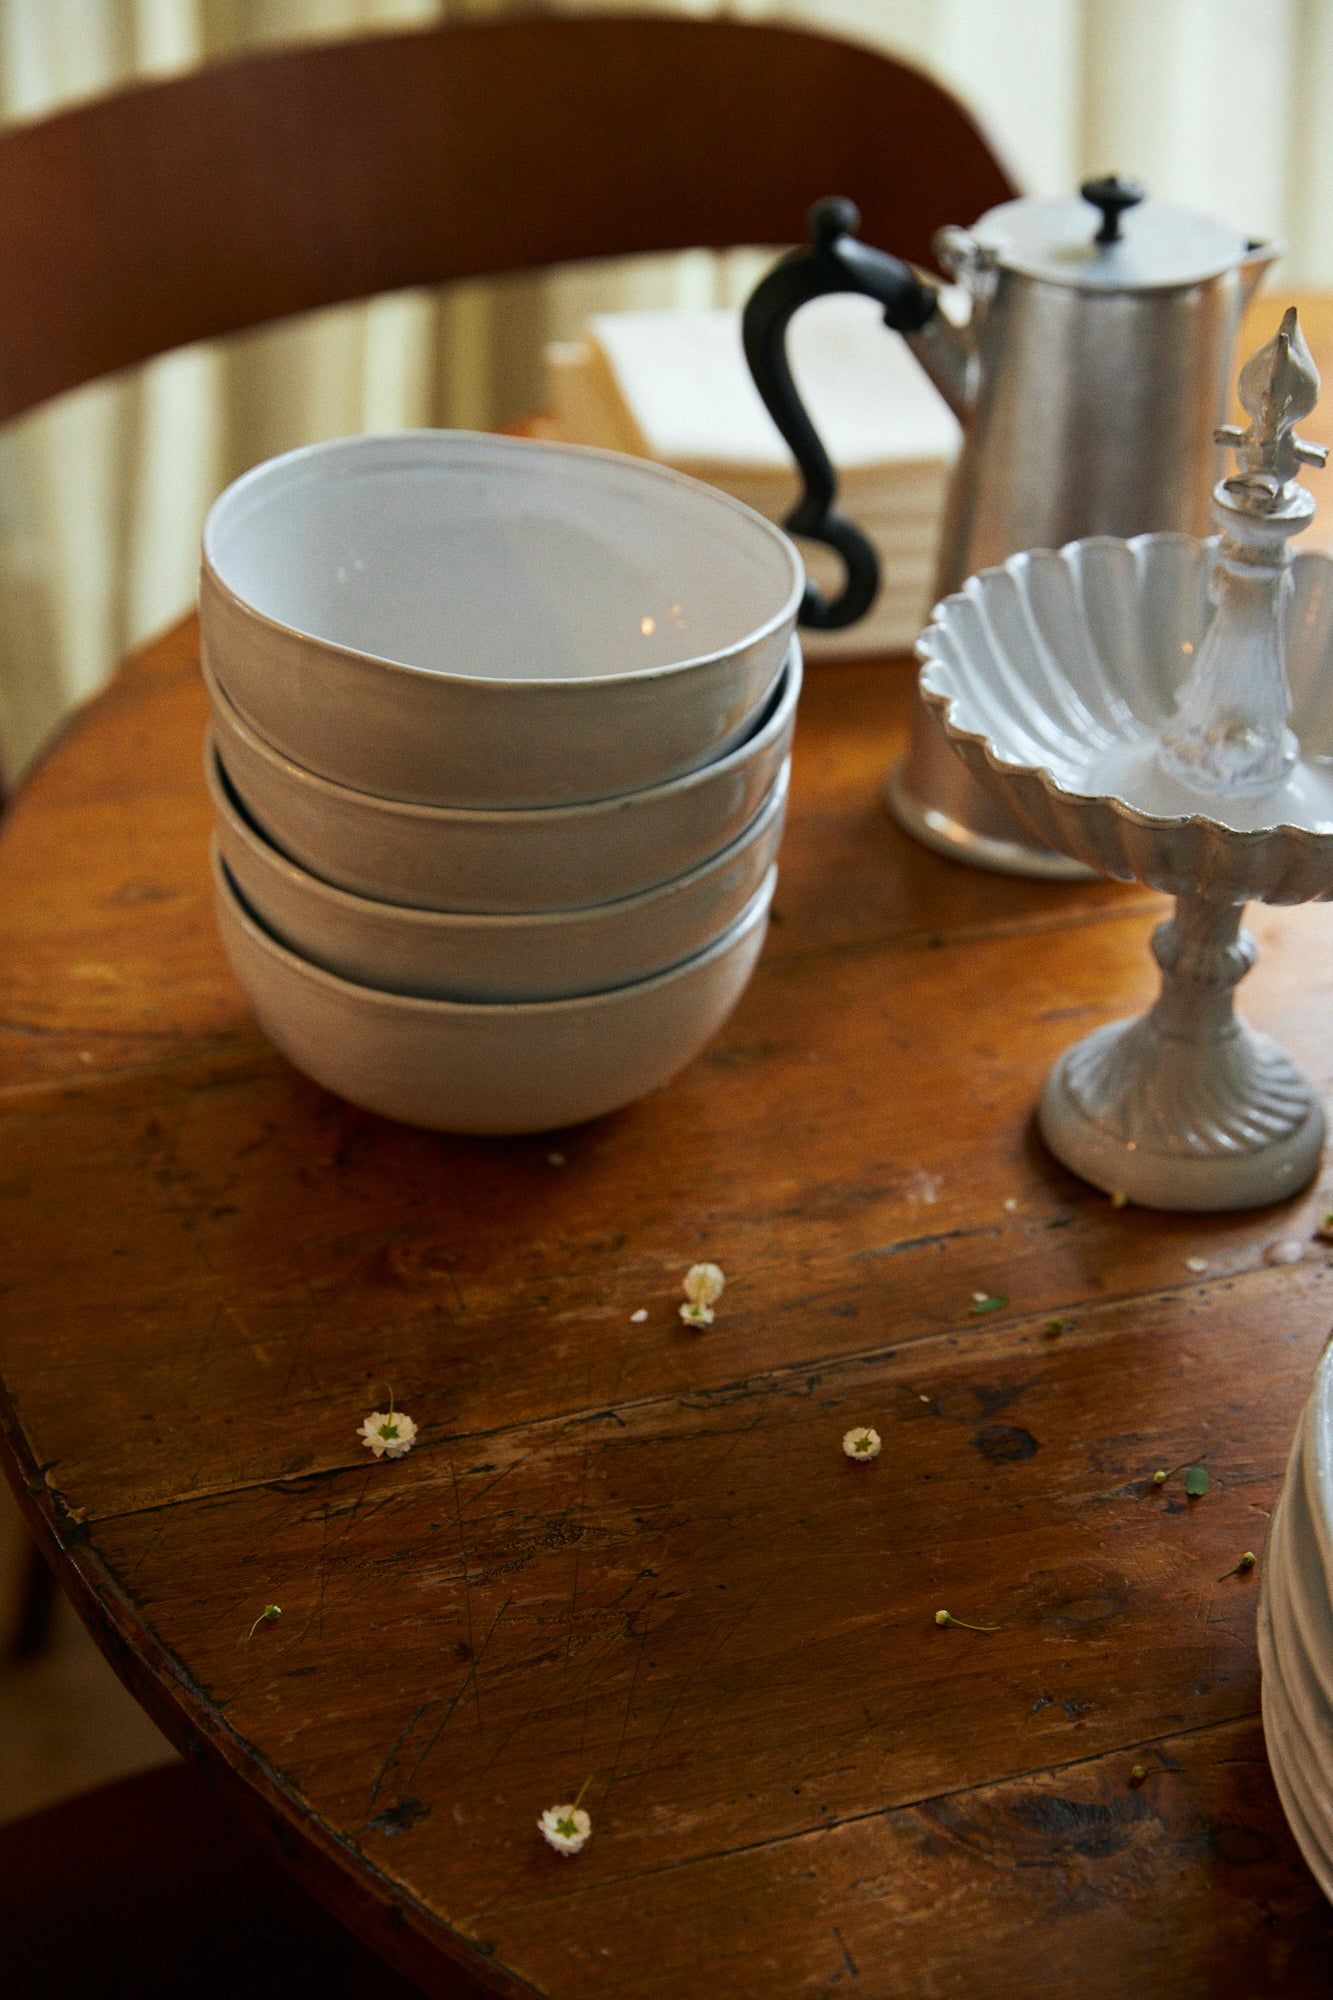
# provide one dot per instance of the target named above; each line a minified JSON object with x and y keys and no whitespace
{"x":1196,"y":1263}
{"x":565,"y":1828}
{"x":390,"y":1435}
{"x":1011,"y":1203}
{"x":863,"y":1442}
{"x":703,"y":1288}
{"x":1287,"y":1250}
{"x":638,"y":1318}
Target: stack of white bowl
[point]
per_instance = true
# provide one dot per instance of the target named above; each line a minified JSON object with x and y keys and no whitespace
{"x":1296,"y":1633}
{"x":499,"y":758}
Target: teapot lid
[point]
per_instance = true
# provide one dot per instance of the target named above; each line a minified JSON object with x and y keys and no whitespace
{"x":1109,"y":238}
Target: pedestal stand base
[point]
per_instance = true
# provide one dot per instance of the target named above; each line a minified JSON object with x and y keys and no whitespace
{"x":1228,"y":1127}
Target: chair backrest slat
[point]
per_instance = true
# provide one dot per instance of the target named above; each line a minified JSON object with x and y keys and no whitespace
{"x":254,"y":189}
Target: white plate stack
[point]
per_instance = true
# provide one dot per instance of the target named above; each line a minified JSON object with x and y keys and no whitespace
{"x":1296,"y":1633}
{"x":499,"y":764}
{"x":674,"y":387}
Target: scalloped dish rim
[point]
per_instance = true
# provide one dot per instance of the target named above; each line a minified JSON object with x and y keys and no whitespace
{"x":945,"y":703}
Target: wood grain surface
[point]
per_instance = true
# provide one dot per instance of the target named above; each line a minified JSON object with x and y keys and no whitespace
{"x":634,"y":1554}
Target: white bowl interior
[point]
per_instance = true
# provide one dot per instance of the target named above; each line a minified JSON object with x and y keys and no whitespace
{"x":498,"y":559}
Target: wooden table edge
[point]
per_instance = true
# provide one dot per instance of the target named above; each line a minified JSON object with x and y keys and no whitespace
{"x":388,"y":1918}
{"x":394,"y":1923}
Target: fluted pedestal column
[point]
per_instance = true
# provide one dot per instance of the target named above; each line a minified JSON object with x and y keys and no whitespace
{"x":1185,"y":1106}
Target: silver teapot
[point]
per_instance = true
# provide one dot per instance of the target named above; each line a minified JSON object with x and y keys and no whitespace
{"x":1089,"y":365}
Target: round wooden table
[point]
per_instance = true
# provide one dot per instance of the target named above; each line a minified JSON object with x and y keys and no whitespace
{"x":634,"y":1555}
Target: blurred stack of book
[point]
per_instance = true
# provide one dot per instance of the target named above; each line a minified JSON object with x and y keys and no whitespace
{"x":673,"y":386}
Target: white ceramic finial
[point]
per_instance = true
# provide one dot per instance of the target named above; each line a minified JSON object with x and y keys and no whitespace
{"x":1229,"y":733}
{"x":1278,"y":387}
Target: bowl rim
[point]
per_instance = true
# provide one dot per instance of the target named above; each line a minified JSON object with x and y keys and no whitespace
{"x":946,"y":704}
{"x":230,"y":809}
{"x":649,"y":470}
{"x":755,"y":912}
{"x":788,"y":681}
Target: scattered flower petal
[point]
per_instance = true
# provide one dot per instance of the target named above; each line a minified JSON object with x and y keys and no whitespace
{"x":1196,"y":1263}
{"x":863,"y":1442}
{"x":1287,"y":1250}
{"x":703,"y":1288}
{"x":704,"y":1284}
{"x":1010,"y":1203}
{"x":388,"y":1434}
{"x":565,"y":1828}
{"x":638,"y":1318}
{"x":988,"y":1302}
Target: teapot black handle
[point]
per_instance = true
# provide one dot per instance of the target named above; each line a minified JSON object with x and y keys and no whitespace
{"x":834,"y":262}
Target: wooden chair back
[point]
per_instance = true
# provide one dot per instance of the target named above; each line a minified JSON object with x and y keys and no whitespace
{"x":254,"y":189}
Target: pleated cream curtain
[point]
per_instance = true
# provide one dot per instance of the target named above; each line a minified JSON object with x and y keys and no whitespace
{"x":1214,"y":102}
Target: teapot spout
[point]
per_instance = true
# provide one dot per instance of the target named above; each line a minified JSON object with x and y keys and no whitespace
{"x":1255,"y":264}
{"x":949,"y":348}
{"x":948,"y":355}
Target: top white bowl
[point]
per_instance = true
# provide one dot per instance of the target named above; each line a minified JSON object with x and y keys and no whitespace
{"x":457,"y":620}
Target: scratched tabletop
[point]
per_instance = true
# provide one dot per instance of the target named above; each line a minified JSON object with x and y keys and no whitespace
{"x":632,"y":1555}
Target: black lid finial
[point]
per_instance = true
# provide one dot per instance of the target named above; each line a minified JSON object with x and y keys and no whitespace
{"x":1112,"y":194}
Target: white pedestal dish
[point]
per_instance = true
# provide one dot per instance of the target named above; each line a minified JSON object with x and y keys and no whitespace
{"x":1162,"y":709}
